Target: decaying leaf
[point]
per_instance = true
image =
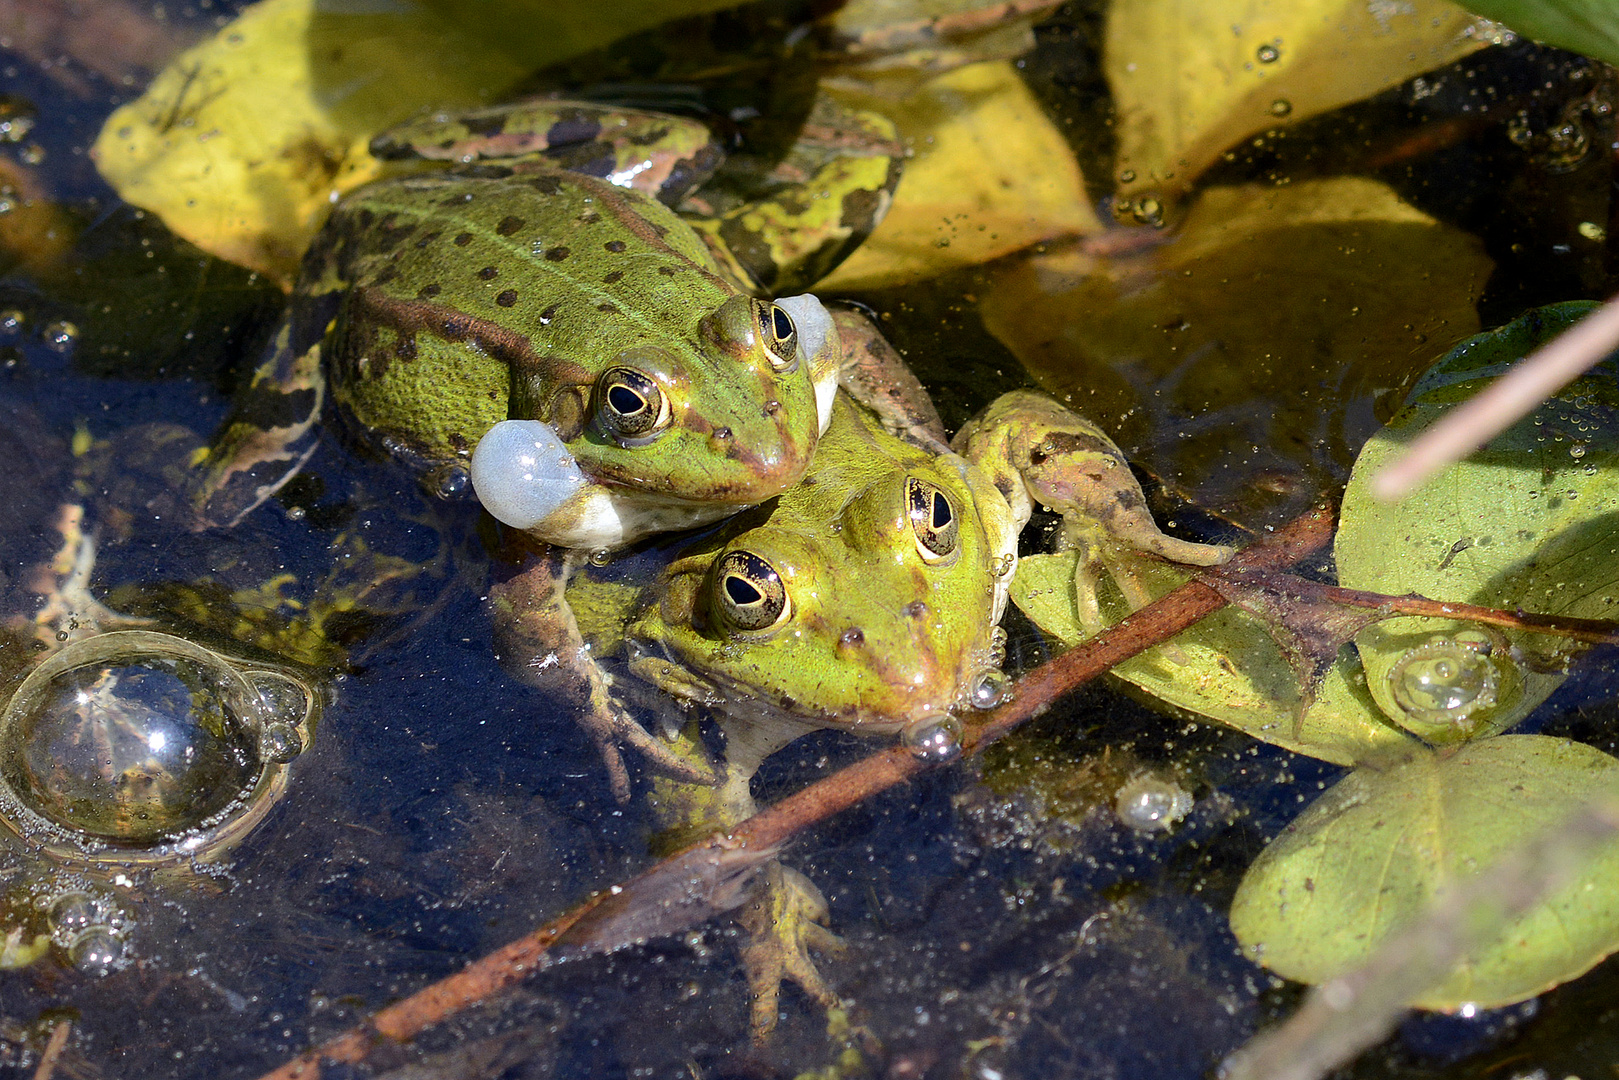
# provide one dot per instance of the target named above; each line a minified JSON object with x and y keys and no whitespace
{"x":990,"y":175}
{"x":1258,"y":333}
{"x":1191,"y":79}
{"x":1374,"y":850}
{"x":241,"y":143}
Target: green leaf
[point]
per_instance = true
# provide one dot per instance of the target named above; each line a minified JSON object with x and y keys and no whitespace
{"x":1227,"y":667}
{"x":1375,"y":849}
{"x":1526,"y":522}
{"x":1583,"y":26}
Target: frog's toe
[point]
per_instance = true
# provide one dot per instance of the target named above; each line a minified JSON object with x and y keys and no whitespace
{"x":785,"y":921}
{"x":612,"y":727}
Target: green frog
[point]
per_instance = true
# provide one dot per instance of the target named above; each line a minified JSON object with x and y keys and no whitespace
{"x":866,"y":599}
{"x":526,"y":268}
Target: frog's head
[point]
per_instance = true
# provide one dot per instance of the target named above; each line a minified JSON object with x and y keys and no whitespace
{"x":665,"y":437}
{"x":854,"y":601}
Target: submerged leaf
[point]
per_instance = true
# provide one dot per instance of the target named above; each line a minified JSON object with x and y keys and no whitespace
{"x":1373,"y":852}
{"x":1259,"y":332}
{"x":1191,"y":79}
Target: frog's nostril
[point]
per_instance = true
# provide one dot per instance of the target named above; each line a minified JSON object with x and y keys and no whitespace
{"x":916,"y":609}
{"x":851,"y":638}
{"x":772,"y":407}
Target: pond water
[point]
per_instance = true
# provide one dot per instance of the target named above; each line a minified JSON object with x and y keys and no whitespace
{"x":1000,"y":919}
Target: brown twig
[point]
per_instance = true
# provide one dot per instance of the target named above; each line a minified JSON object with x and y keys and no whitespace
{"x":60,"y":1033}
{"x":1594,"y":631}
{"x":716,"y":863}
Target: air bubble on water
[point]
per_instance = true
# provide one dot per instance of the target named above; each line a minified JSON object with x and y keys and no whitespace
{"x":1150,"y":803}
{"x":1445,"y":681}
{"x":992,"y":687}
{"x":1281,"y":107}
{"x":1268,"y":54}
{"x":97,"y":951}
{"x":936,"y":740}
{"x":600,"y":557}
{"x":60,"y":335}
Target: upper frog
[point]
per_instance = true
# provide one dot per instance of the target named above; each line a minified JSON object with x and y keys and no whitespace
{"x":536,"y":277}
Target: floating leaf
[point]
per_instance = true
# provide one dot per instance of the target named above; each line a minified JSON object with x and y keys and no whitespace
{"x":1584,"y":26}
{"x":1259,"y":331}
{"x":1527,"y":522}
{"x":241,"y":142}
{"x":1190,"y":79}
{"x":991,"y":174}
{"x":1375,"y":849}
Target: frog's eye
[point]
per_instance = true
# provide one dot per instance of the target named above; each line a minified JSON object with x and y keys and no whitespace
{"x":779,"y":334}
{"x":748,"y":593}
{"x":933,"y":520}
{"x":630,"y":405}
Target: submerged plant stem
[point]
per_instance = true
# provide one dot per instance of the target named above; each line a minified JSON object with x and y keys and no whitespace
{"x":650,"y":903}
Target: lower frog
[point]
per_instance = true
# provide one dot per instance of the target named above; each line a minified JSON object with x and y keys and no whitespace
{"x":865,"y":599}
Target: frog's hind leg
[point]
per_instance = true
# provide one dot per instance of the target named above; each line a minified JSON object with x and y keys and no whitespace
{"x":823,"y":199}
{"x":784,"y":920}
{"x":271,"y":432}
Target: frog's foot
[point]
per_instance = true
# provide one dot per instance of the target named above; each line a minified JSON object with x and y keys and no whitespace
{"x":873,"y":373}
{"x":784,"y":920}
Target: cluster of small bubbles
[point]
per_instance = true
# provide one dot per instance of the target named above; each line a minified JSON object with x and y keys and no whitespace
{"x":60,"y":335}
{"x":90,"y":931}
{"x":997,"y":646}
{"x":1144,"y":210}
{"x":1268,"y":54}
{"x":1445,"y":681}
{"x":16,"y":118}
{"x":936,"y":740}
{"x":1150,"y":803}
{"x":280,"y":742}
{"x":991,"y":688}
{"x":1281,"y":107}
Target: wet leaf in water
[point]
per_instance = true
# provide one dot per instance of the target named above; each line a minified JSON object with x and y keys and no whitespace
{"x":240,"y":143}
{"x":1526,"y":523}
{"x":1270,"y":310}
{"x":1372,"y":852}
{"x":991,"y":174}
{"x":1584,"y":26}
{"x":1228,"y":667}
{"x":1191,"y":80}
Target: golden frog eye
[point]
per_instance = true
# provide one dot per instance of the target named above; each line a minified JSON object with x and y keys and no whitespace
{"x":933,"y":520}
{"x":631,"y":405}
{"x":779,"y":334}
{"x":748,"y":593}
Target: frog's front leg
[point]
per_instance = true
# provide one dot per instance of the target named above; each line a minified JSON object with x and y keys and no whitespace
{"x":1039,"y":452}
{"x":785,"y":915}
{"x":540,"y":644}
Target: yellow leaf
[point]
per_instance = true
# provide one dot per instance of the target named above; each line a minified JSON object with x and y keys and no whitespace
{"x":1192,"y":78}
{"x":1246,"y":330}
{"x":241,"y":143}
{"x":991,"y":174}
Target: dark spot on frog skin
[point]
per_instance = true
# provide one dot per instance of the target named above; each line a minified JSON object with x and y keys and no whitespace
{"x":667,"y":271}
{"x":607,"y":309}
{"x":488,"y":273}
{"x":509,"y":224}
{"x":573,"y":127}
{"x":589,"y":217}
{"x":492,"y":124}
{"x":1127,"y":499}
{"x":463,"y":239}
{"x":615,"y":246}
{"x":859,"y":210}
{"x":367,"y":219}
{"x":385,"y":275}
{"x":507,"y":298}
{"x":427,"y":238}
{"x":614,"y":278}
{"x":429,"y":291}
{"x":558,"y":253}
{"x":546,"y":185}
{"x":1071,"y":442}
